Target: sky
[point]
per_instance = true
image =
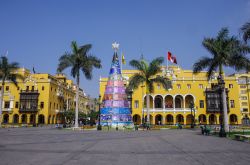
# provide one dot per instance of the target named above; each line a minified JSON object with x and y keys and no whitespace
{"x":37,"y":32}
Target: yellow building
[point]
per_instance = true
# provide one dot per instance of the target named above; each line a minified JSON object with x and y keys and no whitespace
{"x":173,"y":106}
{"x":39,"y":98}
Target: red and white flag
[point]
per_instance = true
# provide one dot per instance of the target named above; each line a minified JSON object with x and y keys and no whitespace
{"x":172,"y":58}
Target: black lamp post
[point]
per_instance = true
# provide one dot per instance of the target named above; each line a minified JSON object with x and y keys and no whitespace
{"x":129,"y":97}
{"x":99,"y":126}
{"x":191,"y":106}
{"x":221,"y":85}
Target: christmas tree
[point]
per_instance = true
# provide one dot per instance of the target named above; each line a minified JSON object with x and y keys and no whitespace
{"x":115,"y":111}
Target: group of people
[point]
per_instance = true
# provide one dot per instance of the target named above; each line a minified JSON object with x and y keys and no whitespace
{"x":205,"y":130}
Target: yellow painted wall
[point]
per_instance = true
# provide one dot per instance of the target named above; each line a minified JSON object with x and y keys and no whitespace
{"x":190,"y":84}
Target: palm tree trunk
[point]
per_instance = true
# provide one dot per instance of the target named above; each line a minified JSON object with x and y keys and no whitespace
{"x":225,"y":116}
{"x":77,"y":100}
{"x":224,"y":101}
{"x":148,"y":115}
{"x":1,"y":103}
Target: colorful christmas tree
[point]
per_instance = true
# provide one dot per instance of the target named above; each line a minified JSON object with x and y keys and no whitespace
{"x":115,"y":111}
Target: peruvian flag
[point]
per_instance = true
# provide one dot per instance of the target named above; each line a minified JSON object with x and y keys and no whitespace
{"x":172,"y":58}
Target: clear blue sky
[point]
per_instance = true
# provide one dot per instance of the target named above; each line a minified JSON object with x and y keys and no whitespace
{"x":36,"y":33}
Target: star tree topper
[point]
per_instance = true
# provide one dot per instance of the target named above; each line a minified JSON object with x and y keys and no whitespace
{"x":115,"y":46}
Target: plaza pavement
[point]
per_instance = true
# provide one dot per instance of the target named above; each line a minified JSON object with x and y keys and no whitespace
{"x":46,"y":146}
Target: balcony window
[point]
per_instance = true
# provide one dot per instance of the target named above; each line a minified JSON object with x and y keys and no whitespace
{"x":179,"y":86}
{"x":189,"y":86}
{"x":16,"y":105}
{"x":201,"y":103}
{"x":243,"y":91}
{"x":243,"y":97}
{"x":231,"y":86}
{"x":6,"y":104}
{"x":245,"y":110}
{"x":232,"y":104}
{"x":136,"y":104}
{"x":243,"y":86}
{"x":244,"y":104}
{"x":42,"y":105}
{"x":200,"y":86}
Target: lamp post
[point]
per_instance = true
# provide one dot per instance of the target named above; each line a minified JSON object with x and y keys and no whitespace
{"x":191,"y":106}
{"x":221,"y":85}
{"x":99,"y":127}
{"x":129,"y":97}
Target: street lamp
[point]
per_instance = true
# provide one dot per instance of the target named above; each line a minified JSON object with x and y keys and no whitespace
{"x":99,"y":127}
{"x":191,"y":106}
{"x":129,"y":97}
{"x":221,"y":85}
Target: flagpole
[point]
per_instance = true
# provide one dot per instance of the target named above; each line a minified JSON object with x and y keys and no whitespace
{"x":121,"y":62}
{"x":167,"y":63}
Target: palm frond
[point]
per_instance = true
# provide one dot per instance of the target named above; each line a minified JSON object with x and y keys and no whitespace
{"x":202,"y":63}
{"x":155,"y":66}
{"x":135,"y":81}
{"x":140,"y":65}
{"x":245,"y":29}
{"x":83,"y":50}
{"x":96,"y":62}
{"x":223,"y":34}
{"x":165,"y":82}
{"x":210,"y":45}
{"x":65,"y":61}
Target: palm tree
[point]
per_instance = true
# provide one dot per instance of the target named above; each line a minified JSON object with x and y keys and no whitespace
{"x":226,"y":51}
{"x":245,"y":29}
{"x":6,"y":73}
{"x":79,"y":60}
{"x":148,"y":75}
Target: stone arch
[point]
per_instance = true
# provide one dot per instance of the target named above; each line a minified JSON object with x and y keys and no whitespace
{"x":178,"y":101}
{"x":6,"y":118}
{"x":233,"y":119}
{"x":53,"y":119}
{"x":32,"y":118}
{"x":180,"y":119}
{"x":16,"y":119}
{"x":150,"y":101}
{"x":189,"y":119}
{"x":137,"y":119}
{"x":158,"y":119}
{"x":212,"y":119}
{"x":169,"y":101}
{"x":202,"y":119}
{"x":169,"y":119}
{"x":49,"y":118}
{"x":41,"y":119}
{"x":151,"y":119}
{"x":158,"y":101}
{"x":24,"y":119}
{"x":221,"y":118}
{"x":188,"y":99}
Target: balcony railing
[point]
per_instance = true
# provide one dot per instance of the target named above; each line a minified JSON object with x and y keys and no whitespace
{"x":28,"y":110}
{"x":7,"y":109}
{"x":29,"y":91}
{"x":167,"y":110}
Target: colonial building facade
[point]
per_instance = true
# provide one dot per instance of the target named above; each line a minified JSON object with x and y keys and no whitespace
{"x":174,"y":105}
{"x":40,"y":99}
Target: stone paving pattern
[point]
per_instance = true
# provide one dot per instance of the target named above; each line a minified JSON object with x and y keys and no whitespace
{"x":50,"y":146}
